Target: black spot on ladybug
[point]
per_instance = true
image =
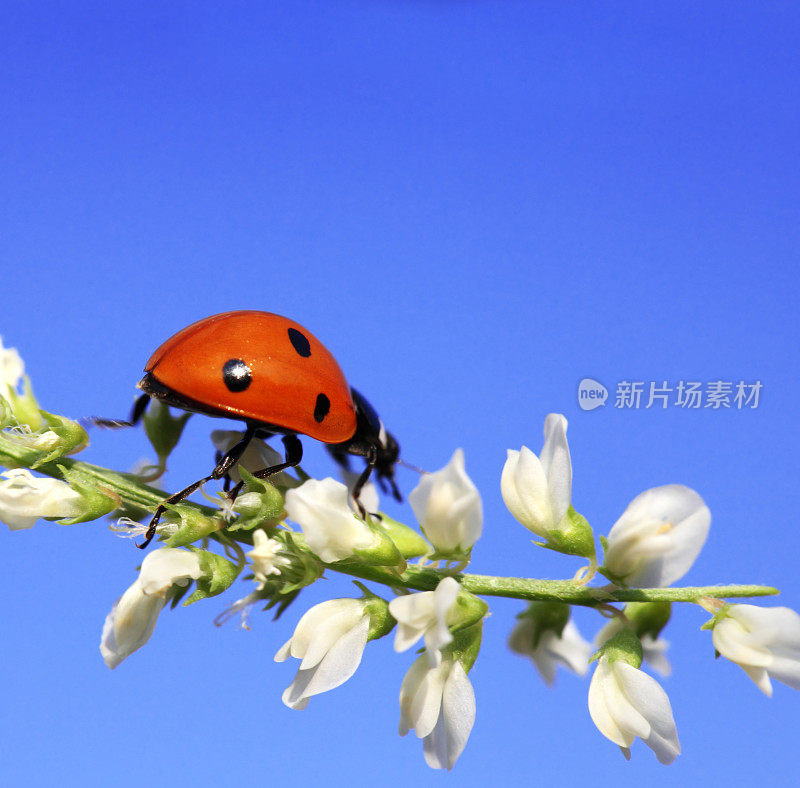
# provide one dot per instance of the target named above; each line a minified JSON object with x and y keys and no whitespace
{"x":322,"y":408}
{"x":236,"y":374}
{"x":301,"y":345}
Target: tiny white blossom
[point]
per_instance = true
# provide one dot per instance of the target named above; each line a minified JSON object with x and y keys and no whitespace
{"x":569,"y":650}
{"x":654,"y":650}
{"x":438,"y":703}
{"x":332,"y":530}
{"x":133,"y":617}
{"x":257,"y":456}
{"x":12,"y":367}
{"x":330,"y":640}
{"x":25,"y":498}
{"x":425,"y":614}
{"x":624,"y":702}
{"x":131,"y":529}
{"x":26,"y":438}
{"x":448,"y":507}
{"x":763,"y":641}
{"x":538,"y":490}
{"x":266,"y":557}
{"x":658,"y":537}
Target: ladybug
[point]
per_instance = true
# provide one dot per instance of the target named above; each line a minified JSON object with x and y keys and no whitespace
{"x":278,"y":378}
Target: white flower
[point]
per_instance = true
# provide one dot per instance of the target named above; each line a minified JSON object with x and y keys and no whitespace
{"x":133,"y":618}
{"x":570,"y":649}
{"x":266,"y":556}
{"x":658,"y":537}
{"x":425,"y":614}
{"x":257,"y":456}
{"x":763,"y":641}
{"x":625,"y":702}
{"x":654,"y":650}
{"x":11,"y":366}
{"x":330,"y":640}
{"x":538,"y":490}
{"x":448,"y":507}
{"x":332,"y":530}
{"x":438,"y":703}
{"x":25,"y":498}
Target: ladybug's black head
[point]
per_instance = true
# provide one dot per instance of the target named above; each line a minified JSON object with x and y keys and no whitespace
{"x":388,"y":455}
{"x":371,"y":438}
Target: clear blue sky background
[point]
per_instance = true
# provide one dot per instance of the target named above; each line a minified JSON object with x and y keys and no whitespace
{"x":475,"y":205}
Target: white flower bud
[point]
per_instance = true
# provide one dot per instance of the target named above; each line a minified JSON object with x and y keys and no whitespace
{"x":425,"y":614}
{"x":438,"y":703}
{"x":330,"y":640}
{"x":11,"y":367}
{"x":658,"y":537}
{"x":763,"y":641}
{"x":332,"y":530}
{"x":133,"y":618}
{"x":448,"y":507}
{"x":568,"y":649}
{"x":538,"y":490}
{"x":25,"y":498}
{"x":624,"y":702}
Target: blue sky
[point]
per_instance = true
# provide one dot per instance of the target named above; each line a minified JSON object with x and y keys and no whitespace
{"x":475,"y":206}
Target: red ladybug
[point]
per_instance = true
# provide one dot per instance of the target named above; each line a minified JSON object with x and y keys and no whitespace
{"x":275,"y":376}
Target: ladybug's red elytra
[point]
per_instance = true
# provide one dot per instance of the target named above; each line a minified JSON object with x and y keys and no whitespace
{"x":278,"y":378}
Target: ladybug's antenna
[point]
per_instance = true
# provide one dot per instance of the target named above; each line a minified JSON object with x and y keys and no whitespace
{"x":411,"y":467}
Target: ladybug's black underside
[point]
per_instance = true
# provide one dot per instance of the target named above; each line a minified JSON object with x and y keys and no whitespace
{"x":154,"y":388}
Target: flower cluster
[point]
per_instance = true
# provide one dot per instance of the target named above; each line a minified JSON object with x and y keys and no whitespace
{"x":284,"y":533}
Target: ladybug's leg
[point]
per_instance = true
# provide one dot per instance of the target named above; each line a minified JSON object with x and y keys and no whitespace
{"x":136,"y":414}
{"x":226,"y":481}
{"x":228,"y":460}
{"x":294,"y":455}
{"x":372,"y":458}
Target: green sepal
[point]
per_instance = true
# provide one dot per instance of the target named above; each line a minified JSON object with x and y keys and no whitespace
{"x":382,"y":553}
{"x":194,"y":525}
{"x":24,"y":406}
{"x":467,"y":610}
{"x":465,"y":646}
{"x":269,"y":511}
{"x":96,"y":501}
{"x":648,"y":618}
{"x":72,"y":438}
{"x":718,"y":616}
{"x":615,"y":579}
{"x":381,"y":622}
{"x":305,"y":568}
{"x":218,"y":575}
{"x":624,"y":645}
{"x":163,"y":429}
{"x":6,"y":414}
{"x":461,"y":557}
{"x":409,"y":542}
{"x":546,"y":617}
{"x":573,"y":536}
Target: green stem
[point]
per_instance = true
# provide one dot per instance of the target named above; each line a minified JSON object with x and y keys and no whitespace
{"x":549,"y":590}
{"x":134,"y":494}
